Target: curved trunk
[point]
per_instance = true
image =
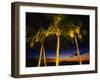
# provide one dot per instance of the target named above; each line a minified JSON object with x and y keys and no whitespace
{"x":40,"y":58}
{"x":78,"y":51}
{"x":57,"y":50}
{"x":44,"y":55}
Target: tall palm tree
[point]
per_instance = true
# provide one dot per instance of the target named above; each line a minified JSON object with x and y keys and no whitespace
{"x":40,"y":37}
{"x":74,"y":33}
{"x":54,"y":29}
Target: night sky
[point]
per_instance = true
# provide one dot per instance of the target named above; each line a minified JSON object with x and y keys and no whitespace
{"x":34,"y":21}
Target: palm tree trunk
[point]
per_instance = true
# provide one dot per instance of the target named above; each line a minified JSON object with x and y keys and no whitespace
{"x":40,"y":58}
{"x":78,"y":51}
{"x":57,"y":50}
{"x":44,"y":54}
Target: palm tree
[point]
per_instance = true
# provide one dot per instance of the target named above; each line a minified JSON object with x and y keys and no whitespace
{"x":74,"y":33}
{"x":54,"y":29}
{"x":40,"y":37}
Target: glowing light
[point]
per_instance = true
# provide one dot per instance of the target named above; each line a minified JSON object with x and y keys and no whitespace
{"x":71,"y":33}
